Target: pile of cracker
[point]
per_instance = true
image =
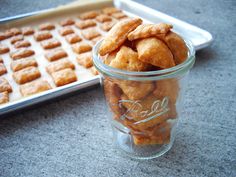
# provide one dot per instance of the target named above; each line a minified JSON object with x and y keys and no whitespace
{"x":147,"y":108}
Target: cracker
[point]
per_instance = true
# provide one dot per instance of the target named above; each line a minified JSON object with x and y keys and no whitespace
{"x":90,"y":33}
{"x":73,"y":38}
{"x":4,"y":85}
{"x":85,"y":24}
{"x":59,"y":65}
{"x":103,"y":18}
{"x":64,"y":77}
{"x":2,"y":36}
{"x":26,"y":75}
{"x":34,"y":87}
{"x":17,"y":38}
{"x":149,"y":30}
{"x":13,"y":32}
{"x":127,"y":59}
{"x":66,"y":30}
{"x":50,"y":44}
{"x":119,"y":15}
{"x":4,"y":97}
{"x":67,"y":22}
{"x":88,"y":15}
{"x":3,"y":69}
{"x":46,"y":26}
{"x":177,"y":46}
{"x":21,"y":53}
{"x":42,"y":35}
{"x":23,"y":63}
{"x":27,"y":31}
{"x":110,"y":10}
{"x":56,"y":54}
{"x":85,"y":59}
{"x":4,"y":49}
{"x":118,"y":34}
{"x":20,"y":44}
{"x":154,"y":51}
{"x":81,"y":47}
{"x":106,"y":26}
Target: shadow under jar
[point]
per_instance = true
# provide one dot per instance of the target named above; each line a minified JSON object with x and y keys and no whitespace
{"x":145,"y":106}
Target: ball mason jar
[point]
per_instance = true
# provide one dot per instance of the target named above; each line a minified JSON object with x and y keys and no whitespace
{"x":145,"y":106}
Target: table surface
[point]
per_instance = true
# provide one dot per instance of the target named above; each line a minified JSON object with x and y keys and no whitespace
{"x":72,"y":136}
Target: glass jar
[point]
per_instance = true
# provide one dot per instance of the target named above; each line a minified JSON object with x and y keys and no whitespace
{"x":145,"y":106}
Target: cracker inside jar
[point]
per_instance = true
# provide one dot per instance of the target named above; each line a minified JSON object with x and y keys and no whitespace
{"x":136,"y":47}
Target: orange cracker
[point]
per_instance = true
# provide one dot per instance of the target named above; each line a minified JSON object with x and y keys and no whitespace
{"x":4,"y":85}
{"x":3,"y":69}
{"x":59,"y":65}
{"x":90,"y":33}
{"x":119,"y":15}
{"x":110,"y":10}
{"x":88,"y":15}
{"x":66,"y":30}
{"x":103,"y":18}
{"x":81,"y":47}
{"x":106,"y":26}
{"x":23,"y":63}
{"x":73,"y":38}
{"x":42,"y":35}
{"x":85,"y":24}
{"x":64,"y":77}
{"x":4,"y":97}
{"x":21,"y":53}
{"x":118,"y":34}
{"x":27,"y":31}
{"x":85,"y":59}
{"x":17,"y":38}
{"x":56,"y":54}
{"x":50,"y":44}
{"x":24,"y":43}
{"x":34,"y":87}
{"x":26,"y":75}
{"x":46,"y":26}
{"x":67,"y":22}
{"x":4,"y":49}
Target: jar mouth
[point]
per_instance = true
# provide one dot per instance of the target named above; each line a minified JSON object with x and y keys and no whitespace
{"x":144,"y":75}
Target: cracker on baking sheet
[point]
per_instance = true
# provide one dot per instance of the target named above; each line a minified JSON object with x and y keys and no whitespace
{"x":21,"y":53}
{"x":110,"y":10}
{"x":59,"y":65}
{"x":4,"y":85}
{"x":85,"y":59}
{"x":56,"y":54}
{"x":51,"y":43}
{"x":23,"y":43}
{"x":118,"y":34}
{"x":23,"y":63}
{"x":42,"y":35}
{"x":17,"y":38}
{"x":67,"y":22}
{"x":27,"y":31}
{"x":3,"y":69}
{"x":88,"y":15}
{"x":4,"y":97}
{"x":73,"y":38}
{"x":81,"y":47}
{"x":12,"y":32}
{"x":119,"y":15}
{"x":66,"y":30}
{"x":90,"y":33}
{"x":103,"y":18}
{"x":26,"y":75}
{"x":4,"y":49}
{"x":85,"y":24}
{"x":46,"y":26}
{"x":34,"y":87}
{"x":64,"y":77}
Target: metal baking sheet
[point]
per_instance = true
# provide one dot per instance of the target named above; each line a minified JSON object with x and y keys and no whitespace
{"x":199,"y":37}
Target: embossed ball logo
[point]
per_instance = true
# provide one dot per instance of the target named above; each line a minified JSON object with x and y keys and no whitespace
{"x":158,"y":108}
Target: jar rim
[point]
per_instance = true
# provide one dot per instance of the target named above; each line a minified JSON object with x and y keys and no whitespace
{"x":144,"y":75}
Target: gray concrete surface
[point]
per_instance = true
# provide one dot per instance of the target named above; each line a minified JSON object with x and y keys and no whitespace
{"x":72,"y":137}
